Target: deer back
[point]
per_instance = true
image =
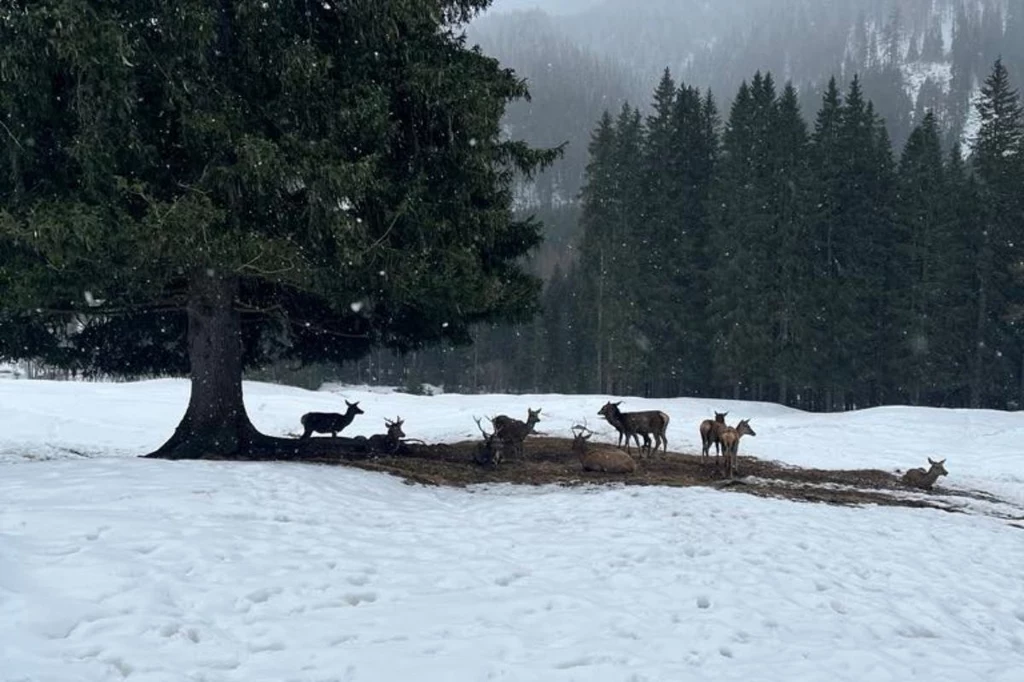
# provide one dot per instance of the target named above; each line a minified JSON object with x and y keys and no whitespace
{"x":602,"y":458}
{"x":652,"y":421}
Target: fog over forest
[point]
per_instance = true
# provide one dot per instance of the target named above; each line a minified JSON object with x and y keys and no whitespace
{"x":784,"y":200}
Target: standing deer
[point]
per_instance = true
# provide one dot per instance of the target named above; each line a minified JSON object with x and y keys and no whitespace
{"x":603,"y":458}
{"x":636,"y":424}
{"x":390,"y":442}
{"x":919,"y":478}
{"x":329,"y":422}
{"x":512,"y":432}
{"x":730,"y":437}
{"x":709,"y":433}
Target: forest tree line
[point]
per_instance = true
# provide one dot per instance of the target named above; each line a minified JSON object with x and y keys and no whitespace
{"x":764,"y":257}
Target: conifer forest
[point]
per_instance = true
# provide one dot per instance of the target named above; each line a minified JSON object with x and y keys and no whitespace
{"x":763,"y":253}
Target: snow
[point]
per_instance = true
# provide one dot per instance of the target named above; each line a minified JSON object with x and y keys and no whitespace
{"x":916,"y":73}
{"x":973,"y":124}
{"x":114,"y":567}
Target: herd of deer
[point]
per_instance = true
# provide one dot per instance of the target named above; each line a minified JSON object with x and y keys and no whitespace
{"x":508,"y":434}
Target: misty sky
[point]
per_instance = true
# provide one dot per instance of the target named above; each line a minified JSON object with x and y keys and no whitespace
{"x":549,"y":6}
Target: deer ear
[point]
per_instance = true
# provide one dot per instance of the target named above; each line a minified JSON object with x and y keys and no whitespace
{"x":932,"y":461}
{"x":617,"y":404}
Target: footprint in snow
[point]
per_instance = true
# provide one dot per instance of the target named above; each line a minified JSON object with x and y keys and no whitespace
{"x":355,"y":599}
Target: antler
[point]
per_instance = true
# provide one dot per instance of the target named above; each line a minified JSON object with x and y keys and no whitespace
{"x":583,"y":428}
{"x":479,"y":426}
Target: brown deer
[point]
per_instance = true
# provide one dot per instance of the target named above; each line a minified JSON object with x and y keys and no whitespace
{"x":390,"y":442}
{"x":709,"y":432}
{"x":329,"y":422}
{"x":603,"y":458}
{"x":636,"y":424}
{"x":730,"y":437}
{"x":919,"y":478}
{"x":512,"y":432}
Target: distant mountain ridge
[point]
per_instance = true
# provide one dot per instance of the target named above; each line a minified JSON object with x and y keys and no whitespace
{"x":912,"y":56}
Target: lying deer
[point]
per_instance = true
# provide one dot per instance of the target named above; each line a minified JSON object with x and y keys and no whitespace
{"x":603,"y":458}
{"x":329,"y":422}
{"x":730,"y":438}
{"x":636,"y":424}
{"x":390,"y":442}
{"x":919,"y":478}
{"x":709,"y":433}
{"x":512,"y":432}
{"x":488,"y":453}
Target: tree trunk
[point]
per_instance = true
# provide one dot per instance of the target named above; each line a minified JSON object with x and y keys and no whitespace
{"x":216,"y":425}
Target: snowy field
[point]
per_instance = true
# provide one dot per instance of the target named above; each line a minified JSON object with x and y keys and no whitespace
{"x":118,"y":568}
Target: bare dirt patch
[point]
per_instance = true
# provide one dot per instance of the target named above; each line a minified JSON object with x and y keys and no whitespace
{"x":549,"y":461}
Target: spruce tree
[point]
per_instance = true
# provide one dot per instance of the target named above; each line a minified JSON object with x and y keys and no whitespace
{"x":918,"y":294}
{"x":198,"y":187}
{"x":789,"y":249}
{"x":998,"y":160}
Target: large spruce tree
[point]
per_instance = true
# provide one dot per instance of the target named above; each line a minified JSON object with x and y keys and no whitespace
{"x":199,"y":187}
{"x":998,"y":161}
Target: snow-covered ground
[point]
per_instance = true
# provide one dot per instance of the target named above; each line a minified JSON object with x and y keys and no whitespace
{"x":114,"y":567}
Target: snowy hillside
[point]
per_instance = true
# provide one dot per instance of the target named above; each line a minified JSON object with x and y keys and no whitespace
{"x":114,"y":567}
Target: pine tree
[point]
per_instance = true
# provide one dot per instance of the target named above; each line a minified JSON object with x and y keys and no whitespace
{"x":918,"y":294}
{"x":998,"y":160}
{"x":962,"y":277}
{"x":790,"y":246}
{"x":743,"y":294}
{"x":199,"y":187}
{"x":851,"y":231}
{"x":597,"y":248}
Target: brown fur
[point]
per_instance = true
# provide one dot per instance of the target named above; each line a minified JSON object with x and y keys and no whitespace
{"x":636,"y":424}
{"x":512,"y":432}
{"x":602,"y":458}
{"x":730,"y":438}
{"x":919,"y":478}
{"x":710,"y":430}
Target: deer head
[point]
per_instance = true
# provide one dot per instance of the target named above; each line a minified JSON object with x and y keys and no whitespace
{"x":532,"y":416}
{"x":395,"y":428}
{"x":937,"y":468}
{"x":580,"y":435}
{"x":610,"y":410}
{"x":743,"y":428}
{"x":353,"y":409}
{"x":720,"y":417}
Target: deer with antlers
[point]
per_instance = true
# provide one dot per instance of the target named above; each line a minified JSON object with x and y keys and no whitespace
{"x":730,"y":438}
{"x":601,"y":458}
{"x":489,"y":452}
{"x":390,"y":442}
{"x":710,"y":430}
{"x":919,"y":478}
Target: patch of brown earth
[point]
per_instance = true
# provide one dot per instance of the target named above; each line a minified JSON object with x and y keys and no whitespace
{"x":549,"y":461}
